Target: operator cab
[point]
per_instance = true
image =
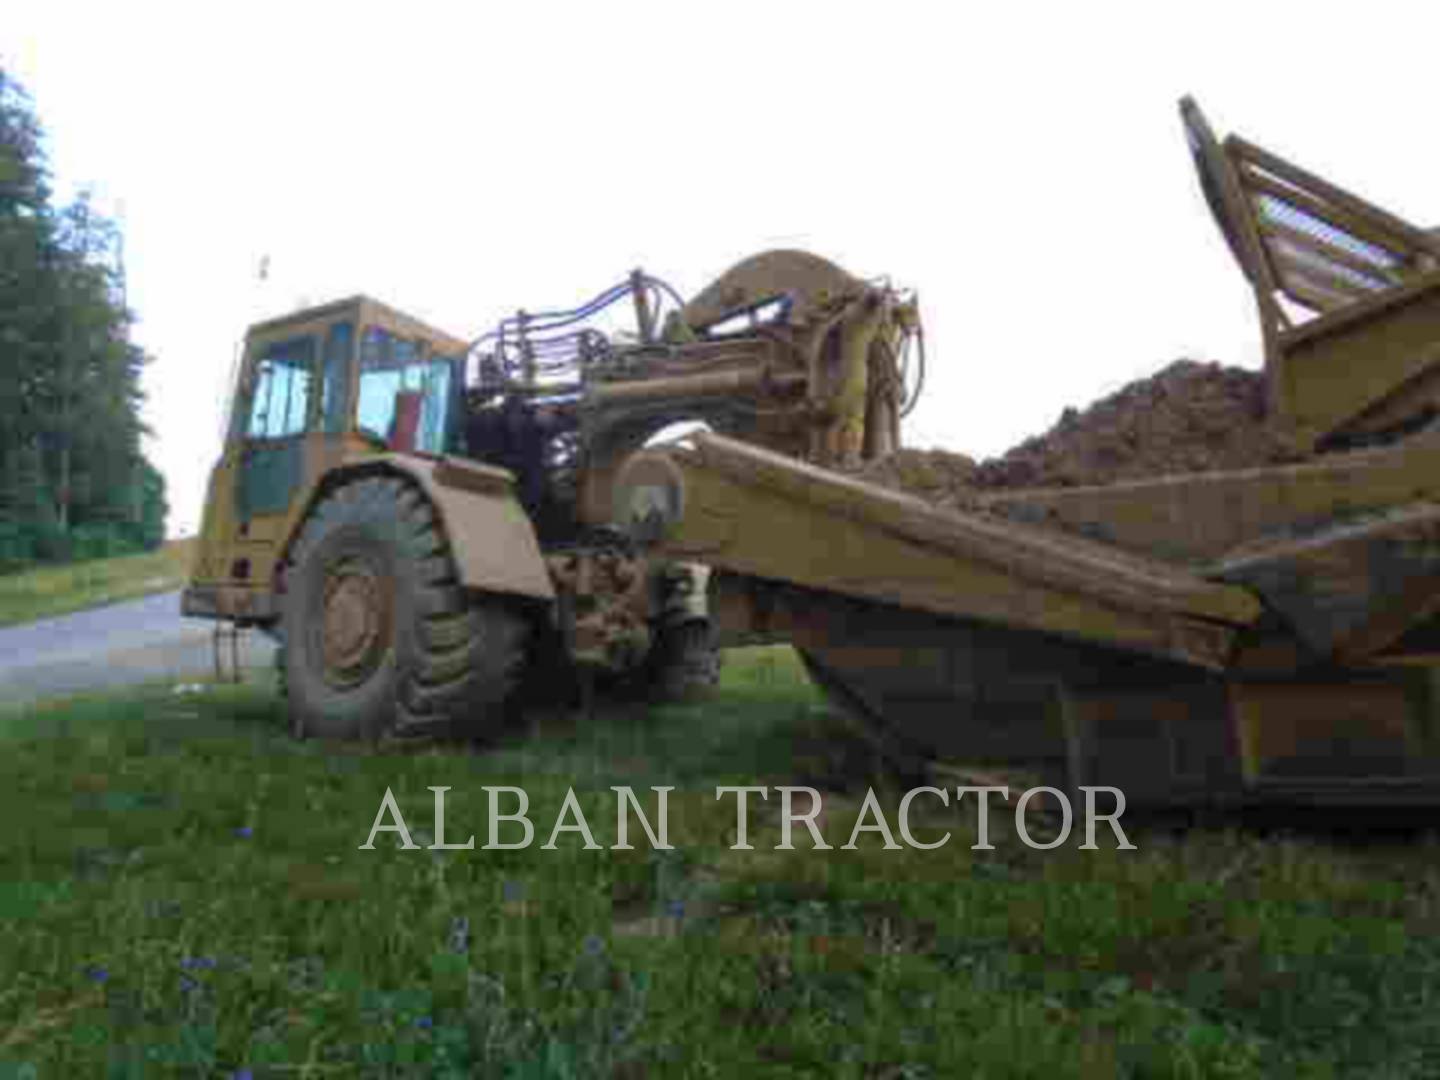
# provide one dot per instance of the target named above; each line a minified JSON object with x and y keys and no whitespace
{"x":316,"y":388}
{"x":406,"y":395}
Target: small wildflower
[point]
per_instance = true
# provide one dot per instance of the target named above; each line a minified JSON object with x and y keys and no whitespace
{"x":244,"y":832}
{"x":459,"y":934}
{"x":242,"y":1074}
{"x":202,"y":962}
{"x":187,"y":984}
{"x":594,"y":946}
{"x":424,"y":1022}
{"x":675,"y":909}
{"x":513,"y":891}
{"x":97,"y":974}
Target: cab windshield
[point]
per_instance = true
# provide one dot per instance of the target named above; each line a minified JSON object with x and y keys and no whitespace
{"x":406,"y":397}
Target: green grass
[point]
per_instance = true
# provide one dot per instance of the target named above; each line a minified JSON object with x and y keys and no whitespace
{"x":59,"y":590}
{"x":183,"y":895}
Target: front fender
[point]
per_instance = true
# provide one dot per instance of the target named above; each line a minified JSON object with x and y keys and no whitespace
{"x":491,"y":537}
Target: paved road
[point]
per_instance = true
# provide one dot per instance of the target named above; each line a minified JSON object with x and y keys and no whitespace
{"x":124,"y":643}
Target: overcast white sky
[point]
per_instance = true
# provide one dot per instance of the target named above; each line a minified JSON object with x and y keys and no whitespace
{"x":1021,"y":165}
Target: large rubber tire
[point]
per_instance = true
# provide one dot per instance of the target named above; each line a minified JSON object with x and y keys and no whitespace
{"x":380,"y":637}
{"x":684,"y":663}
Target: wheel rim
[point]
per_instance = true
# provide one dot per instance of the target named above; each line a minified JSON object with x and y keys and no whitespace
{"x":356,"y":623}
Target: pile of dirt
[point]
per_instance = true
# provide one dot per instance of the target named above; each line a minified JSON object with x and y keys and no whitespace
{"x":1190,"y":417}
{"x":938,"y":476}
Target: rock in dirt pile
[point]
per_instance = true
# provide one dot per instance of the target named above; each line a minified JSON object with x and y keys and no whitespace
{"x":1190,"y":417}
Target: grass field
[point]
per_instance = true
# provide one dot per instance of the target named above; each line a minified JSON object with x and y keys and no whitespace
{"x":183,"y":895}
{"x":58,"y":590}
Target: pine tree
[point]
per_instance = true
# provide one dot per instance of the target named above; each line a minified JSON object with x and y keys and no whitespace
{"x":73,"y":480}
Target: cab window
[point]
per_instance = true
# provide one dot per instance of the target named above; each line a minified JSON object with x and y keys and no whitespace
{"x":405,"y":396}
{"x":280,"y":401}
{"x":335,"y":389}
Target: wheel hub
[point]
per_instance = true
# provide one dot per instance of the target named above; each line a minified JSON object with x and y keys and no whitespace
{"x":356,"y":622}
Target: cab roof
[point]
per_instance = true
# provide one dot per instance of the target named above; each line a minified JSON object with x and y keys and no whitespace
{"x":364,"y":310}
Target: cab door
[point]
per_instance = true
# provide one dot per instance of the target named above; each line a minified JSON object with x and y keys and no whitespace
{"x":299,"y":409}
{"x":288,"y":424}
{"x":272,"y":453}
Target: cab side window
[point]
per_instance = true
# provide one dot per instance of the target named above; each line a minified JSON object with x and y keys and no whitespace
{"x":280,"y":401}
{"x":405,"y":394}
{"x":335,"y":393}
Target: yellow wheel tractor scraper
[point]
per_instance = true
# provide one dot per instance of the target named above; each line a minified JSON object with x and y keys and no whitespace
{"x":423,"y":520}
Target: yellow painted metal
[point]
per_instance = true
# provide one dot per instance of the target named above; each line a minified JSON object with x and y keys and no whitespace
{"x":491,"y":538}
{"x":831,"y":532}
{"x":238,"y":562}
{"x":1118,"y":631}
{"x":1351,"y":370}
{"x":808,"y":282}
{"x":1201,"y":518}
{"x":1366,"y":361}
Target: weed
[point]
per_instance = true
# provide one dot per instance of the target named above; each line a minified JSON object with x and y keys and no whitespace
{"x":183,"y":894}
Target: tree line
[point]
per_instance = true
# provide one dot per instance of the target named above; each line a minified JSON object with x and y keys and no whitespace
{"x":74,"y":482}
